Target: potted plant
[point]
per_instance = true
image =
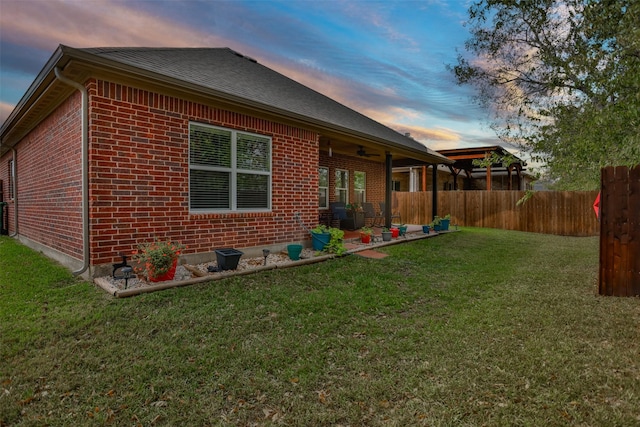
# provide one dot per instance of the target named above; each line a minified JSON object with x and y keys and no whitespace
{"x":320,"y":237}
{"x":403,"y":229}
{"x":335,"y":245}
{"x":395,"y":231}
{"x":365,"y":234}
{"x":444,"y":222}
{"x":356,"y":212}
{"x":436,"y":224}
{"x":426,"y":228}
{"x":158,"y":260}
{"x":386,"y":235}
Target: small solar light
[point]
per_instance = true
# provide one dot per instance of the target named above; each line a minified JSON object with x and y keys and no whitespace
{"x":265,"y":254}
{"x":127,"y":272}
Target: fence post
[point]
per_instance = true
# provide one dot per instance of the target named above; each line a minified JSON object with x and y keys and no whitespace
{"x":620,"y":231}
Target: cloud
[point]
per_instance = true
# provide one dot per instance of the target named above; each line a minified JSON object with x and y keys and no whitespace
{"x":5,"y":110}
{"x":421,"y":133}
{"x":44,"y":25}
{"x":383,"y":59}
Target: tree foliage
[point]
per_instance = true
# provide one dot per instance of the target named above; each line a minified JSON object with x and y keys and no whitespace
{"x":562,"y":79}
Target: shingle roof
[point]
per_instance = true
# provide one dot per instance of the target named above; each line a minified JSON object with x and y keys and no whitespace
{"x":228,"y":72}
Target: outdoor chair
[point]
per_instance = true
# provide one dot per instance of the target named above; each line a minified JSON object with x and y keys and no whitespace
{"x":393,"y":214}
{"x":339,"y":213}
{"x":370,"y":213}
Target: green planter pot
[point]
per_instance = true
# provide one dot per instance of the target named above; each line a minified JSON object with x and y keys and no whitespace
{"x":294,"y":251}
{"x":320,"y":240}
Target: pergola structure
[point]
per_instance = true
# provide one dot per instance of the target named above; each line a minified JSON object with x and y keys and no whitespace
{"x":464,"y":157}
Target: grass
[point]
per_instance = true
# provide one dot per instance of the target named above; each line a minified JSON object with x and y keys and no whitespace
{"x":481,"y":327}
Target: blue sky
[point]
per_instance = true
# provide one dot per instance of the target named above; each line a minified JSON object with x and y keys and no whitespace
{"x":386,"y":59}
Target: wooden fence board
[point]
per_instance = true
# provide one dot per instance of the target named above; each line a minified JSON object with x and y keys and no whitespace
{"x":620,"y":232}
{"x":634,"y":225}
{"x":551,"y":212}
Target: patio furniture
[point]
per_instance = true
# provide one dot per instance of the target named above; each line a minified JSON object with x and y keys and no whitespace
{"x":393,"y":214}
{"x":339,"y":213}
{"x":370,"y":213}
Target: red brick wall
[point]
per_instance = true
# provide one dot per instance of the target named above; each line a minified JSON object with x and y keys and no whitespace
{"x":138,"y":171}
{"x":49,"y":181}
{"x":375,"y":177}
{"x":139,"y":176}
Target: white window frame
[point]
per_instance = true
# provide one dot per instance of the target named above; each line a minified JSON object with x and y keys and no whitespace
{"x":362,"y":191}
{"x":339,"y":189}
{"x":234,"y":171}
{"x":325,"y":188}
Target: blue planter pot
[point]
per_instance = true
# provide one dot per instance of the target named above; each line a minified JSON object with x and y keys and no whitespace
{"x":403,"y":230}
{"x":426,"y":229}
{"x":294,"y":252}
{"x":320,"y":240}
{"x":444,"y":224}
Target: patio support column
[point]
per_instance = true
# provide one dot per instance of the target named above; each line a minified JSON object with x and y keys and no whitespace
{"x":387,"y":193}
{"x":434,"y":193}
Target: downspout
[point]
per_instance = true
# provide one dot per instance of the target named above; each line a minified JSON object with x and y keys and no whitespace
{"x":85,"y":167}
{"x":14,"y":190}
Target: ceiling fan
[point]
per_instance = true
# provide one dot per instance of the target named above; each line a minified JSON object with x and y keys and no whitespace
{"x":362,"y":153}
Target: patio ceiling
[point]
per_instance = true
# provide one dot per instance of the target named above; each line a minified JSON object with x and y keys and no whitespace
{"x":376,"y":151}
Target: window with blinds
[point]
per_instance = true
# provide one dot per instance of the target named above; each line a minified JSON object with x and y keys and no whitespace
{"x":228,"y":170}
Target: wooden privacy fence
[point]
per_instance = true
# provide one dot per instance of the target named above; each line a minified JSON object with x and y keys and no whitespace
{"x":620,"y":231}
{"x":567,"y":213}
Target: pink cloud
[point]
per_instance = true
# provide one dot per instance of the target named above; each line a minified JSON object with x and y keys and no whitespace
{"x":94,"y":23}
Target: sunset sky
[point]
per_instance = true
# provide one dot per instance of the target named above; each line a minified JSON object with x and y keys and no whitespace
{"x":385,"y":59}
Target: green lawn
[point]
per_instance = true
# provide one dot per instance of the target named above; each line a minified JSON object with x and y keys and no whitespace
{"x":480,"y":327}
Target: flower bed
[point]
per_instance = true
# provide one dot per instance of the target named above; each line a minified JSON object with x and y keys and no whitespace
{"x":186,"y":272}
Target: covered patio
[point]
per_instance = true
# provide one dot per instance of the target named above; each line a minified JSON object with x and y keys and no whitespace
{"x":355,"y":170}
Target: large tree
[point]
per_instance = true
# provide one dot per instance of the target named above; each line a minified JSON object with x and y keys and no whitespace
{"x":562,"y":79}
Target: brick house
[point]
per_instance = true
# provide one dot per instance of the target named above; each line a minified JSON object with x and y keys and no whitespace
{"x":111,"y":147}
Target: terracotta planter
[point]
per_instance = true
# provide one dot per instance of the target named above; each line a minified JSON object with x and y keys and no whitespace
{"x":365,"y":238}
{"x":169,"y":275}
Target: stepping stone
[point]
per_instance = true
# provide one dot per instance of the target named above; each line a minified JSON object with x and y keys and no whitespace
{"x":370,"y":253}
